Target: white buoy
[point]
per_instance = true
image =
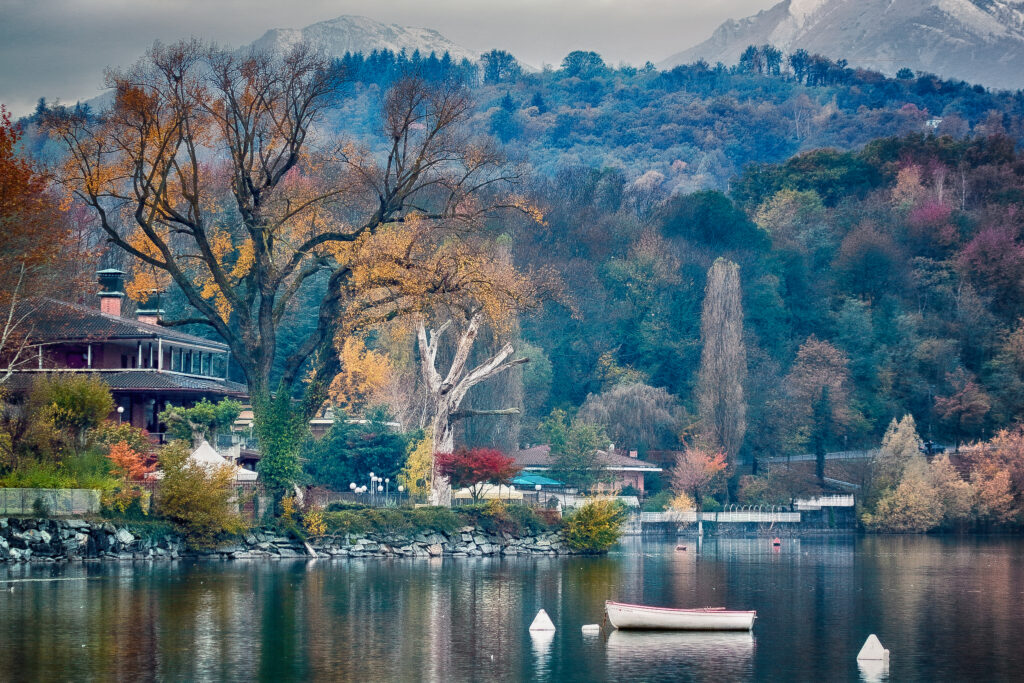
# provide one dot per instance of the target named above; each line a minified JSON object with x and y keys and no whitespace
{"x":873,"y":650}
{"x":591,"y":628}
{"x":542,"y":622}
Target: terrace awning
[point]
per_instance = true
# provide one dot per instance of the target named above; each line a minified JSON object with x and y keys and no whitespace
{"x":531,"y":480}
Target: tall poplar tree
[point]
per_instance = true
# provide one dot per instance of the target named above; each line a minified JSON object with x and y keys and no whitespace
{"x":723,"y":364}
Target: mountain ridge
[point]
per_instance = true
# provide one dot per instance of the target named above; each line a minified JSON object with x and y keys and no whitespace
{"x":351,"y":33}
{"x":980,"y":41}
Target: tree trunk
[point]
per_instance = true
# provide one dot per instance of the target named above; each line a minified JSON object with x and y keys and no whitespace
{"x":443,"y":442}
{"x":447,"y":394}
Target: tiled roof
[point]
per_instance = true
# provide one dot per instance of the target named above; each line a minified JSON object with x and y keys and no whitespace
{"x":163,"y":381}
{"x":54,"y":320}
{"x":146,"y":380}
{"x":540,"y":456}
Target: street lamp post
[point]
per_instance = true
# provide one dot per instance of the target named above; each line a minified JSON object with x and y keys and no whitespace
{"x":120,"y":414}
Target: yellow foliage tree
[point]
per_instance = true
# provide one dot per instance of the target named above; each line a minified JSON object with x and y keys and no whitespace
{"x":197,"y":499}
{"x":365,"y":372}
{"x":415,"y":476}
{"x":912,"y":507}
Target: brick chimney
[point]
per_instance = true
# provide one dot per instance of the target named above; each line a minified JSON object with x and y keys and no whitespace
{"x":149,"y":311}
{"x":111,"y":283}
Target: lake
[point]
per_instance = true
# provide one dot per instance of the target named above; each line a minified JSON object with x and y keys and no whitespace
{"x":948,"y":609}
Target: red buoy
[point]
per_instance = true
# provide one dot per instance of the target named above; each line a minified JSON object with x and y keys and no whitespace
{"x":776,"y":541}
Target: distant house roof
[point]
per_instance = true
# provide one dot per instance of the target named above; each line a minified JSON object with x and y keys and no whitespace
{"x":147,"y":380}
{"x":529,"y":479}
{"x":54,"y":321}
{"x":539,"y":458}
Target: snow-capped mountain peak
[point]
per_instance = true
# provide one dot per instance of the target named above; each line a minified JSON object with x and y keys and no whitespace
{"x":800,"y":10}
{"x":348,"y":33}
{"x":980,"y":41}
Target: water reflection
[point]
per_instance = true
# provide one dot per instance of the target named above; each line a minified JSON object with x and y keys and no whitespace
{"x":873,"y":670}
{"x":947,"y":609}
{"x":674,"y":656}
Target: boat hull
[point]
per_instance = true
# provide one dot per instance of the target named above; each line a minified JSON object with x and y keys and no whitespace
{"x":642,"y":617}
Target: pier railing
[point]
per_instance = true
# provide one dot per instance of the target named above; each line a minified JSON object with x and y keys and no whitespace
{"x":836,"y":501}
{"x":757,"y":514}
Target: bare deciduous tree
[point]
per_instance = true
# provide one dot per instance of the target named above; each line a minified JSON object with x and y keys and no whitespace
{"x":446,"y":394}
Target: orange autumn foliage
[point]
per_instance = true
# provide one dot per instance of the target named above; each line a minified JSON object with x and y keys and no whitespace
{"x":698,"y":472}
{"x":128,"y":463}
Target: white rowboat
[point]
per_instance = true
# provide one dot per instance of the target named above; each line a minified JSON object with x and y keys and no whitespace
{"x":625,"y":616}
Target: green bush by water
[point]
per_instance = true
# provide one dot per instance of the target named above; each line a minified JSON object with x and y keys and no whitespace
{"x":349,"y":519}
{"x":595,"y":527}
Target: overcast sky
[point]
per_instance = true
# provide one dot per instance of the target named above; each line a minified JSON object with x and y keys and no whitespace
{"x":59,"y":48}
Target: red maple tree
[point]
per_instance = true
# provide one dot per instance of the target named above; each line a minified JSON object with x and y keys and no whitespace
{"x":473,"y":467}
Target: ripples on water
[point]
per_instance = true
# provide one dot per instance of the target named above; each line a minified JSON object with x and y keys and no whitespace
{"x":947,"y":609}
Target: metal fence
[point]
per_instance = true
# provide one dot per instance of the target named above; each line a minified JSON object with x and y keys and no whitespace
{"x":49,"y":501}
{"x":754,"y":514}
{"x":837,"y":501}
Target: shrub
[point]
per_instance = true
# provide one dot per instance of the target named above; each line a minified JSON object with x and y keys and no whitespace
{"x":388,"y":520}
{"x":75,"y":404}
{"x":683,"y":503}
{"x":493,"y":517}
{"x":527,"y":520}
{"x":40,"y":508}
{"x":37,"y":475}
{"x":658,"y":502}
{"x":91,"y":470}
{"x":125,"y":503}
{"x":550,"y":518}
{"x":346,"y":522}
{"x":711,"y":504}
{"x":435,"y":519}
{"x":340,"y":505}
{"x":595,"y":527}
{"x":110,"y":433}
{"x":197,"y":500}
{"x":314,"y":523}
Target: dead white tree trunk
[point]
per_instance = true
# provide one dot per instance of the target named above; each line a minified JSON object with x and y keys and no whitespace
{"x":447,"y":394}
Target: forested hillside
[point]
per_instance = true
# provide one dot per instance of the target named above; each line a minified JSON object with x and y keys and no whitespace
{"x":878,"y":226}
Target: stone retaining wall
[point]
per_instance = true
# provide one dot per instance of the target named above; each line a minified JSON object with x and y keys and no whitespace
{"x":61,"y":540}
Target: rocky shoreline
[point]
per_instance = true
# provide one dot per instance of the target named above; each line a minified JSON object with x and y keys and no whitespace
{"x":65,"y":540}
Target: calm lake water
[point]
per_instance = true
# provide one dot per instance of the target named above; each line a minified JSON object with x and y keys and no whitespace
{"x":947,"y":609}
